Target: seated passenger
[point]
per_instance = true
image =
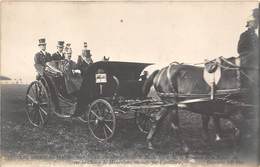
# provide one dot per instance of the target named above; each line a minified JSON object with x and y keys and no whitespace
{"x":84,"y":60}
{"x":59,"y":54}
{"x":73,"y":79}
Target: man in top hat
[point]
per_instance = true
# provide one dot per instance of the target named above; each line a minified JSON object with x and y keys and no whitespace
{"x":72,"y":75}
{"x":59,"y":55}
{"x":41,"y":57}
{"x":84,"y":60}
{"x":248,"y":41}
{"x":248,"y":50}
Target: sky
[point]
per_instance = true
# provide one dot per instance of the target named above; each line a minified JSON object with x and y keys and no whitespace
{"x":154,"y":32}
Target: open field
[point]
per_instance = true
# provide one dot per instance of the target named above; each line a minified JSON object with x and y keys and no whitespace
{"x":69,"y":139}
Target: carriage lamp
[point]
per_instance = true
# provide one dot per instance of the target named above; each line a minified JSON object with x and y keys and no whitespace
{"x":101,"y":79}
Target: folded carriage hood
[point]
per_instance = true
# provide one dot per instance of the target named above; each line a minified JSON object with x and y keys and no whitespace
{"x":122,"y":70}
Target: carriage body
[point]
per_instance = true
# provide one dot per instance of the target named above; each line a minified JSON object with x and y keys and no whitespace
{"x":105,"y":83}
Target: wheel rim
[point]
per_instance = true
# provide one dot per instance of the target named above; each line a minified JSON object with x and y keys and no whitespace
{"x":37,"y":104}
{"x":143,"y":122}
{"x":101,"y":120}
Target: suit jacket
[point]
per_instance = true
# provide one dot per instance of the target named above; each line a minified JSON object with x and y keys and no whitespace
{"x":57,"y":56}
{"x":40,"y":60}
{"x":248,"y":49}
{"x":72,"y":81}
{"x":248,"y":42}
{"x":83,"y":64}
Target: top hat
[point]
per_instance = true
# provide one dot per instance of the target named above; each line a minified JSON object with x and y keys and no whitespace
{"x":60,"y":44}
{"x":85,"y":44}
{"x":42,"y":41}
{"x":255,"y":13}
{"x":249,"y":20}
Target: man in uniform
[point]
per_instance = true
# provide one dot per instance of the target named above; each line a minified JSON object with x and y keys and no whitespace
{"x":41,"y":57}
{"x":59,"y":55}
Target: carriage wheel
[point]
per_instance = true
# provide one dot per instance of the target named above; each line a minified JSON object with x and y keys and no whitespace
{"x":37,"y":104}
{"x":101,"y":120}
{"x":143,"y":122}
{"x":84,"y":116}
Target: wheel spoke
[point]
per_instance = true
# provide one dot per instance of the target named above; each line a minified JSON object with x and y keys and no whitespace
{"x":33,"y":91}
{"x":107,"y":113}
{"x":108,"y":128}
{"x":97,"y":106}
{"x":94,"y":114}
{"x":41,"y":109}
{"x":104,"y":129}
{"x":34,"y":101}
{"x":36,"y":117}
{"x":36,"y":92}
{"x":41,"y":117}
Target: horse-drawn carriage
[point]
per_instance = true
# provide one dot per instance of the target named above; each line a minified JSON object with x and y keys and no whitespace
{"x":106,"y":85}
{"x":113,"y":89}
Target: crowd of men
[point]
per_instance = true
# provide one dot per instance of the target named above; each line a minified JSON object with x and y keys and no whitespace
{"x":62,"y":53}
{"x":70,"y":70}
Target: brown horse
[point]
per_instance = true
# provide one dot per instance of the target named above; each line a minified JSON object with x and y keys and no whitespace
{"x":177,"y":82}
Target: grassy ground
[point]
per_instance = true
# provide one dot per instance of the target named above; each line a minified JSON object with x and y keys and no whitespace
{"x":69,"y":139}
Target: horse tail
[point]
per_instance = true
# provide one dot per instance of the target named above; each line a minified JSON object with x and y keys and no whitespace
{"x":148,"y":83}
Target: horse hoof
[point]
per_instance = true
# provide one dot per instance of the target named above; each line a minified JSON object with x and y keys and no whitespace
{"x":186,"y":149}
{"x":150,"y":146}
{"x":218,"y":138}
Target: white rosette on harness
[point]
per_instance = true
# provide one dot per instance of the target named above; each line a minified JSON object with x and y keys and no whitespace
{"x":212,"y":74}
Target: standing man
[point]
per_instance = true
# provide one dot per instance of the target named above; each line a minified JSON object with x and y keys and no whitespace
{"x":248,"y":43}
{"x":41,"y":57}
{"x":248,"y":50}
{"x":59,"y":55}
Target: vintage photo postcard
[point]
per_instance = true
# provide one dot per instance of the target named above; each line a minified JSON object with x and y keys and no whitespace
{"x":142,"y":83}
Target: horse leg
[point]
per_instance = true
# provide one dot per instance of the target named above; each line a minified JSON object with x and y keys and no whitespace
{"x":155,"y":125}
{"x":176,"y":127}
{"x":236,"y":122}
{"x":216,"y":120}
{"x":150,"y":135}
{"x":205,"y":128}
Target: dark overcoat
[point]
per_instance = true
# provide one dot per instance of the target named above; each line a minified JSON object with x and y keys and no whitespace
{"x":40,"y":60}
{"x":57,"y":56}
